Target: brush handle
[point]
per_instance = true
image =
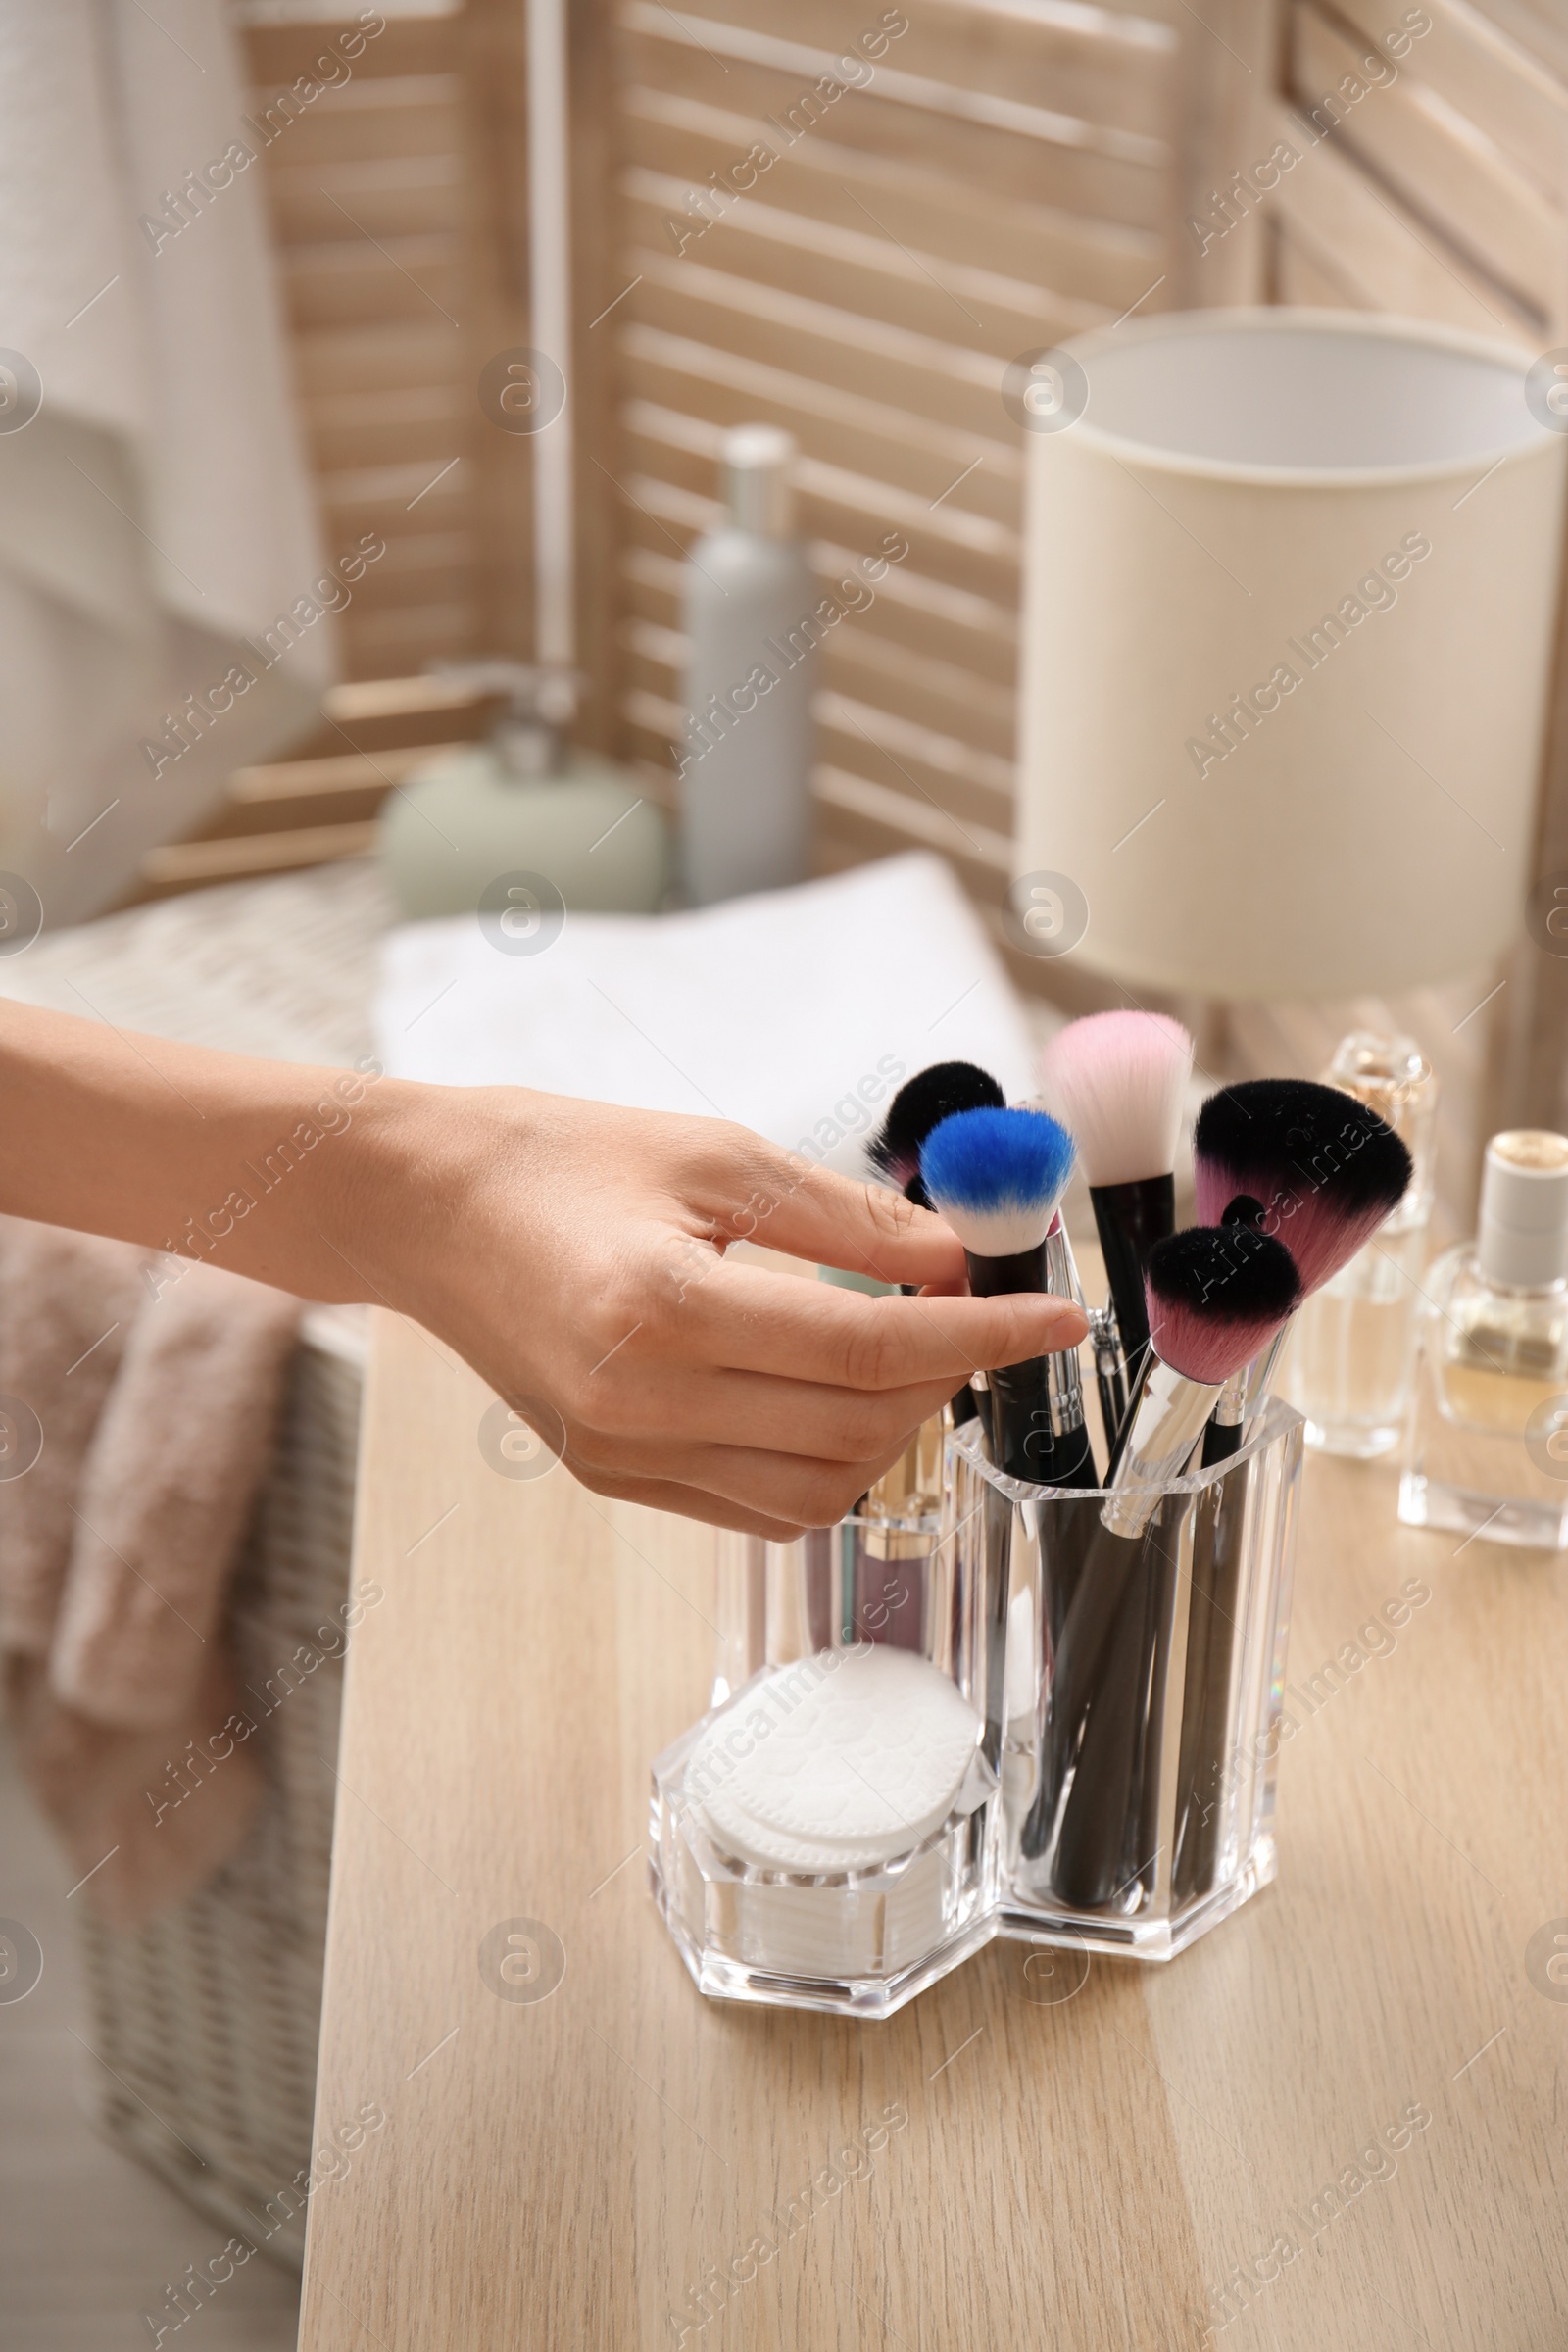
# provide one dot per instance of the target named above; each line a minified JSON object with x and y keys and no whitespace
{"x":1087,"y":1576}
{"x":1036,"y":1436}
{"x":1103,"y":1725}
{"x":1243,"y":1396}
{"x":1067,"y":1380}
{"x":1214,"y":1639}
{"x":1130,"y":1218}
{"x":1109,"y":1372}
{"x":966,"y":1407}
{"x":1226,"y":1429}
{"x":1164,"y":1421}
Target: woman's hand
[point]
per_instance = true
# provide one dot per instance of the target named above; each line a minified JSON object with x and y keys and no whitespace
{"x":575,"y":1255}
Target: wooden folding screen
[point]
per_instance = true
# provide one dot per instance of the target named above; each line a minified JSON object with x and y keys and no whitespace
{"x":848,"y":221}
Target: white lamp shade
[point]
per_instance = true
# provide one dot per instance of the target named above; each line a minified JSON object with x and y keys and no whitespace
{"x":1291,"y":592}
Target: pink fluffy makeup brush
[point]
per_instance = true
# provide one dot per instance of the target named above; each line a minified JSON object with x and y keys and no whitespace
{"x":1117,"y":1082}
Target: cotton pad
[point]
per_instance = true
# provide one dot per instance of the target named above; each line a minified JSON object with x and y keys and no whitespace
{"x":865,"y":1763}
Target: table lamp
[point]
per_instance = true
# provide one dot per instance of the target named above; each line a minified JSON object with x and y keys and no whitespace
{"x":1290,"y":599}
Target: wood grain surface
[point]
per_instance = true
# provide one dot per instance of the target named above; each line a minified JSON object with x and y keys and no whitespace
{"x":1355,"y":2090}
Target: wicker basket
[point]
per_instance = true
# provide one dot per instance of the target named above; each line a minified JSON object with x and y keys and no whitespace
{"x":208,"y":2016}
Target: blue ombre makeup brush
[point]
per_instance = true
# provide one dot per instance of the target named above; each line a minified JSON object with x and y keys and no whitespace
{"x":922,"y":1102}
{"x":997,"y":1176}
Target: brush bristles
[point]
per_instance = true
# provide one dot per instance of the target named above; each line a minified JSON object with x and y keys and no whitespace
{"x":997,"y":1177}
{"x":1216,"y":1296}
{"x":1118,"y":1080}
{"x":922,"y":1102}
{"x":1326,"y":1168}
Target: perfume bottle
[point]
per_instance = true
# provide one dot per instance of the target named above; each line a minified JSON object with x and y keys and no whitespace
{"x":1352,"y":1351}
{"x":1489,"y":1427}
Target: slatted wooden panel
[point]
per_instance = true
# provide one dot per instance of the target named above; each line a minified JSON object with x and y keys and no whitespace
{"x":395,"y":208}
{"x":1003,"y":175}
{"x":1441,"y":193}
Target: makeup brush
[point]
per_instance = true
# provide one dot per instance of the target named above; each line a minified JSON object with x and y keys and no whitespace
{"x":1216,"y":1295}
{"x":1322,"y":1171}
{"x":1118,"y":1081}
{"x":997,"y":1176}
{"x":922,"y":1102}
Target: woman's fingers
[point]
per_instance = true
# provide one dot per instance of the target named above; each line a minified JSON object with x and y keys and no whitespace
{"x":793,"y":1489}
{"x":593,"y":1276}
{"x":756,"y":1409}
{"x":864,"y":1228}
{"x":746,"y":1319}
{"x":689,"y":1503}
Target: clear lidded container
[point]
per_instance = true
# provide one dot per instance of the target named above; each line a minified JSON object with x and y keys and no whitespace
{"x":825,"y":1837}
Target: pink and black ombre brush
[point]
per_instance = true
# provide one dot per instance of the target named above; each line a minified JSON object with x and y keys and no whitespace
{"x":1320,"y":1170}
{"x":1215,"y":1297}
{"x":1311,"y":1167}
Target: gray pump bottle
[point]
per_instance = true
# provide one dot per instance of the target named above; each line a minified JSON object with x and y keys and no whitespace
{"x":746,"y":764}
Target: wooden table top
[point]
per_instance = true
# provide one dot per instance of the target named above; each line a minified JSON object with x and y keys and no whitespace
{"x":1355,"y":2093}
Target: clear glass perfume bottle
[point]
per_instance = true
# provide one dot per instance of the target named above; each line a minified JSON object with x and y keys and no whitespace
{"x":1353,"y":1350}
{"x":1489,"y":1427}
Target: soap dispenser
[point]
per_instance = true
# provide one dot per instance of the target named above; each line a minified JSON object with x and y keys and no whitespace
{"x":522,"y":803}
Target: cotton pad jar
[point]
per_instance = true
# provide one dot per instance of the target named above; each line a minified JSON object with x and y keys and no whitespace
{"x":824,"y":1837}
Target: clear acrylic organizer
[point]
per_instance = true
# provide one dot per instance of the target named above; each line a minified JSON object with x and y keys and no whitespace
{"x":826,"y":1836}
{"x":1107,"y":1708}
{"x":1141,"y":1692}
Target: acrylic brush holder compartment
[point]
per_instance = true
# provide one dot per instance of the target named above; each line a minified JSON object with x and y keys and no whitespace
{"x":825,"y":1837}
{"x":1141,"y":1690}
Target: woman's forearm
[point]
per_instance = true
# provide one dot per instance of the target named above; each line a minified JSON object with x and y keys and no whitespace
{"x":252,"y":1165}
{"x":573,"y":1253}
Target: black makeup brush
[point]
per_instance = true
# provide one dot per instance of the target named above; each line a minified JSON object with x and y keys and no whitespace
{"x":1118,"y":1081}
{"x":1215,"y":1297}
{"x":1322,"y":1171}
{"x":922,"y":1102}
{"x":997,"y":1176}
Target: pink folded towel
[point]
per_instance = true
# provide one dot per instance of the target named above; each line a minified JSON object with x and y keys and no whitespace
{"x":66,"y":1305}
{"x":156,"y":1383}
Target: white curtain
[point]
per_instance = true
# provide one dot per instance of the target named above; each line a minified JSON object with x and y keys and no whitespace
{"x":155,"y":513}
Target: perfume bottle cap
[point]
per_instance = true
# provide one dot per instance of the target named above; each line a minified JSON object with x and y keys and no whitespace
{"x":1392,"y":1076}
{"x":1523,"y":1241}
{"x":758,"y":489}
